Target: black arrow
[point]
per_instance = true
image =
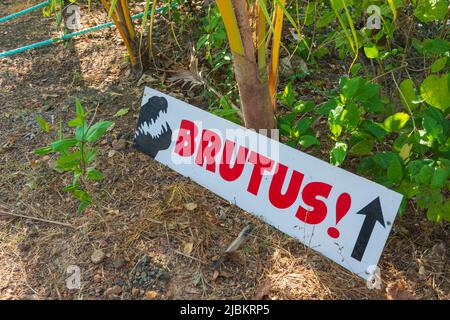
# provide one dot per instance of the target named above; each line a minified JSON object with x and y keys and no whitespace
{"x":373,"y":214}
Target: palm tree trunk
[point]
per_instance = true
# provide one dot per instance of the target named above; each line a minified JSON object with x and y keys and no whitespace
{"x":253,"y":91}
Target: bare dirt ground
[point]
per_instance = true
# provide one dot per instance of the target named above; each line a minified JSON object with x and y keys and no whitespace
{"x":152,"y":244}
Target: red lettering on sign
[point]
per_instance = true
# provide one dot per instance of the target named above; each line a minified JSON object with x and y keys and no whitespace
{"x":185,"y":142}
{"x":309,"y":195}
{"x":283,"y":201}
{"x":226,"y":172}
{"x":207,"y":150}
{"x":261,"y":164}
{"x":211,"y":144}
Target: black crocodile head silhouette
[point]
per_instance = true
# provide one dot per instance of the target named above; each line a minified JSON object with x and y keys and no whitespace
{"x":153,"y":133}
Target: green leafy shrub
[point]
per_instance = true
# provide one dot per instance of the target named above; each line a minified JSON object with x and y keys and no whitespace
{"x":396,"y":132}
{"x":76,"y":153}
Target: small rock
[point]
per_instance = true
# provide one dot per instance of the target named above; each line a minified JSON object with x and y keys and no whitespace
{"x":119,"y":144}
{"x":134,"y":292}
{"x":151,"y":295}
{"x":120,"y":282}
{"x":97,"y":256}
{"x":421,"y":270}
{"x":113,"y":291}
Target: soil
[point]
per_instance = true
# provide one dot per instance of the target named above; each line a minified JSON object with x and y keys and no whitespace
{"x":153,"y":244}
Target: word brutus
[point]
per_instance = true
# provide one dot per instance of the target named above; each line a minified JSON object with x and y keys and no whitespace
{"x":207,"y":146}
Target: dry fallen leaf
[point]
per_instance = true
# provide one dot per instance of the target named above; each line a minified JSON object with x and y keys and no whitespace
{"x":187,"y":248}
{"x":34,"y":164}
{"x":262,"y":290}
{"x":143,"y":157}
{"x":398,"y":291}
{"x":190,"y":206}
{"x":215,"y":275}
{"x":146,"y":78}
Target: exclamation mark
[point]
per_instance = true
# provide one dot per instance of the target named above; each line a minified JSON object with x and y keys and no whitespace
{"x":343,"y":204}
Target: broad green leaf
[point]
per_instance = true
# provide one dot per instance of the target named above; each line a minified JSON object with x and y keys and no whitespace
{"x":435,"y":213}
{"x":79,"y":133}
{"x":395,"y":170}
{"x":374,"y":128}
{"x":122,"y":112}
{"x":43,"y":150}
{"x":97,"y":130}
{"x":407,"y":94}
{"x":425,"y":174}
{"x":68,"y":161}
{"x":325,"y":19}
{"x":325,"y":108}
{"x":75,"y":122}
{"x":82,"y":195}
{"x":362,"y":148}
{"x":431,"y":10}
{"x":63,"y":145}
{"x":338,"y":153}
{"x":355,"y":69}
{"x":371,"y":51}
{"x":90,"y":155}
{"x":304,"y":106}
{"x":439,"y":64}
{"x":201,"y":41}
{"x":42,"y":123}
{"x":288,"y":95}
{"x":395,"y":122}
{"x":82,"y":206}
{"x":405,"y":151}
{"x":435,"y":91}
{"x":79,"y":109}
{"x":432,"y":127}
{"x":430,"y":47}
{"x":334,"y":122}
{"x":94,"y":174}
{"x":351,"y":116}
{"x":427,"y":197}
{"x":439,"y":212}
{"x":350,"y":86}
{"x":303,"y":124}
{"x":439,"y":178}
{"x":307,"y":141}
{"x":310,"y":13}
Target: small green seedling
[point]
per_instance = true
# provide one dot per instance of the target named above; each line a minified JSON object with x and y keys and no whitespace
{"x":76,"y":153}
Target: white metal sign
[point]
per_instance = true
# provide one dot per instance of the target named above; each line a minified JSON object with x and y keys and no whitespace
{"x":345,"y":217}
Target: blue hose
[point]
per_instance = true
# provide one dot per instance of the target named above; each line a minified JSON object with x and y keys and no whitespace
{"x":70,"y":35}
{"x":18,"y":14}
